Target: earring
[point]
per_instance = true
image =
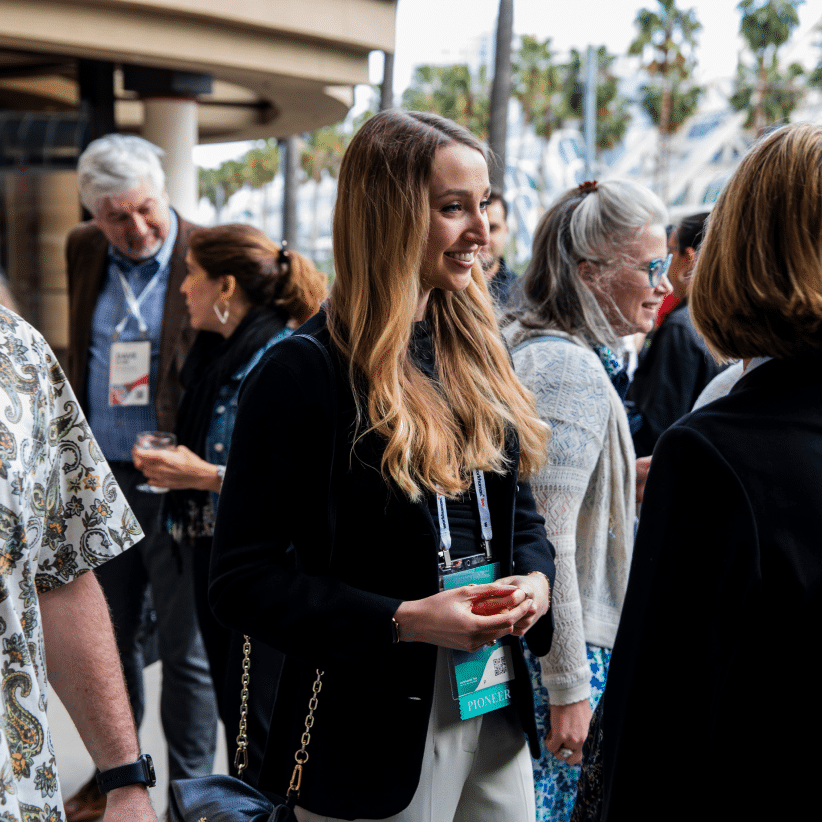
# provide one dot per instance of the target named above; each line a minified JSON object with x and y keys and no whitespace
{"x":221,"y":316}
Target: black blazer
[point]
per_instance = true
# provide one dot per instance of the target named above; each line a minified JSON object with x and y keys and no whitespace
{"x":272,"y":577}
{"x":709,"y":707}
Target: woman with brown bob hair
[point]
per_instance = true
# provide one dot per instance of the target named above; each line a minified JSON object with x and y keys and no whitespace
{"x":244,"y":293}
{"x":393,"y":537}
{"x":727,"y":565}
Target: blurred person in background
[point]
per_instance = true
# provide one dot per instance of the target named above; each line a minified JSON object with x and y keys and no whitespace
{"x":500,"y":277}
{"x":676,"y":367}
{"x":125,"y":267}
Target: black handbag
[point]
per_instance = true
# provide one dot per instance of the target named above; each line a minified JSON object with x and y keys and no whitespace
{"x":223,"y":798}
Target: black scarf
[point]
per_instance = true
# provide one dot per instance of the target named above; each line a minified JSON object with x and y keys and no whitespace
{"x":209,"y":366}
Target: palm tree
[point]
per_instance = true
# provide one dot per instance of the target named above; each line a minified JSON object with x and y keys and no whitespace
{"x":769,"y":94}
{"x":535,"y":85}
{"x":536,"y":82}
{"x":260,"y":166}
{"x":208,"y":186}
{"x":452,"y":91}
{"x":322,"y":154}
{"x":669,"y":34}
{"x":613,"y":114}
{"x":218,"y":184}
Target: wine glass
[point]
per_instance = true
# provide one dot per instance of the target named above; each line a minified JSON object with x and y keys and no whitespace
{"x":152,"y":441}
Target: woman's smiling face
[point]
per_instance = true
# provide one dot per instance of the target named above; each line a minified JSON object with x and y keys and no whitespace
{"x":458,"y":192}
{"x":626,"y":296}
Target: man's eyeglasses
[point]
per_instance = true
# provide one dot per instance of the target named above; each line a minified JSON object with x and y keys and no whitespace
{"x":657,"y":269}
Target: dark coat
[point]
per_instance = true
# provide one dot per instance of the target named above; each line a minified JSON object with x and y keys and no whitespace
{"x":709,"y":708}
{"x":500,"y":284}
{"x":367,"y":743}
{"x":670,"y":376}
{"x":87,"y":266}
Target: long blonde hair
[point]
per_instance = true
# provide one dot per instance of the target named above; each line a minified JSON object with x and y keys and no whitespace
{"x":435,"y":432}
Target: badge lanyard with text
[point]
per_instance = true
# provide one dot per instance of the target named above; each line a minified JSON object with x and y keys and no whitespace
{"x":130,"y":362}
{"x":479,"y":680}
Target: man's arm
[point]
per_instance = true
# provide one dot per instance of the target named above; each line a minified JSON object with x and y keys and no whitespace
{"x":84,"y":669}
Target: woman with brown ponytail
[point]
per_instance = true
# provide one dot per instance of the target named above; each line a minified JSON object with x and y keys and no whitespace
{"x":244,"y":293}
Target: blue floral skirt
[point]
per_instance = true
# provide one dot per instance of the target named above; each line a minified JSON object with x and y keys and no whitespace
{"x":555,"y":782}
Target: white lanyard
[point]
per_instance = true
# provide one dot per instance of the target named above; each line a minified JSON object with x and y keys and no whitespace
{"x":485,"y":518}
{"x":134,"y":304}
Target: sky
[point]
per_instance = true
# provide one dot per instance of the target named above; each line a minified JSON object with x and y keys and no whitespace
{"x":574,"y":24}
{"x":450,"y":31}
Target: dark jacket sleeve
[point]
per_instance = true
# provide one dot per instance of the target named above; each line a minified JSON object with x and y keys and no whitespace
{"x":272,"y":539}
{"x":533,"y":552}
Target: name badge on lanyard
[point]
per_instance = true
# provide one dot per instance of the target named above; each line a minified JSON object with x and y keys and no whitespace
{"x":479,"y":680}
{"x":129,"y":368}
{"x":130,"y":362}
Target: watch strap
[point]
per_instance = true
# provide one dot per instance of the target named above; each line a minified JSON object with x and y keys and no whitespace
{"x":140,"y":772}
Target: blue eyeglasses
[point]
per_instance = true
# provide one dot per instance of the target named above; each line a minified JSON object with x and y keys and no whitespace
{"x":657,"y":269}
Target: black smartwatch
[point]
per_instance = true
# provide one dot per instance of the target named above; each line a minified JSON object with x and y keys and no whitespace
{"x":140,"y":772}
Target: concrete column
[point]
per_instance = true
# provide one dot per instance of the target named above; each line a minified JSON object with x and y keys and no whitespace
{"x":41,"y":209}
{"x":58,"y":212}
{"x":21,"y":230}
{"x":171,"y":123}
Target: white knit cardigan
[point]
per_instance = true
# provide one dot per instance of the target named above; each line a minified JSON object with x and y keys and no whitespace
{"x":586,"y":492}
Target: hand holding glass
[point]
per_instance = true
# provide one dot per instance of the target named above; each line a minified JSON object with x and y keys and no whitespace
{"x":153,"y":441}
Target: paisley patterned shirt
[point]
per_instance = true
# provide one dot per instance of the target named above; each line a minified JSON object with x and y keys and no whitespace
{"x":61,"y":514}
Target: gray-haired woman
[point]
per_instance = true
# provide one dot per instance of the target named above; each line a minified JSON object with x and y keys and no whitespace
{"x":598,"y":272}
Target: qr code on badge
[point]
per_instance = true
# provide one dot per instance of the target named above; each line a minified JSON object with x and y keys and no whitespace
{"x":500,"y":666}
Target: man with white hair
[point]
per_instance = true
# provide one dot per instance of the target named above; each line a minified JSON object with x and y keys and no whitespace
{"x":129,"y":336}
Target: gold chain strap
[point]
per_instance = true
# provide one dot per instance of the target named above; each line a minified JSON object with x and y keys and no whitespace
{"x":241,"y":757}
{"x":301,"y":756}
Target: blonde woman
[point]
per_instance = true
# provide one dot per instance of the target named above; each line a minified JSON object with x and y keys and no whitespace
{"x":337,"y":535}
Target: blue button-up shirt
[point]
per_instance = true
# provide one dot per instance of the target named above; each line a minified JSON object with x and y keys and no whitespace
{"x":116,"y":427}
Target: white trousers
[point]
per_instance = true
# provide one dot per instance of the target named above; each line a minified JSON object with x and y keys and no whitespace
{"x":477,"y":770}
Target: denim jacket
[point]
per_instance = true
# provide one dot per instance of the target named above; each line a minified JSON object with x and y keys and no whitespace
{"x":225,"y":409}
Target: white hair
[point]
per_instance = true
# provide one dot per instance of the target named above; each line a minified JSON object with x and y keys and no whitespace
{"x":115,"y":165}
{"x":599,"y":223}
{"x":610,"y":218}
